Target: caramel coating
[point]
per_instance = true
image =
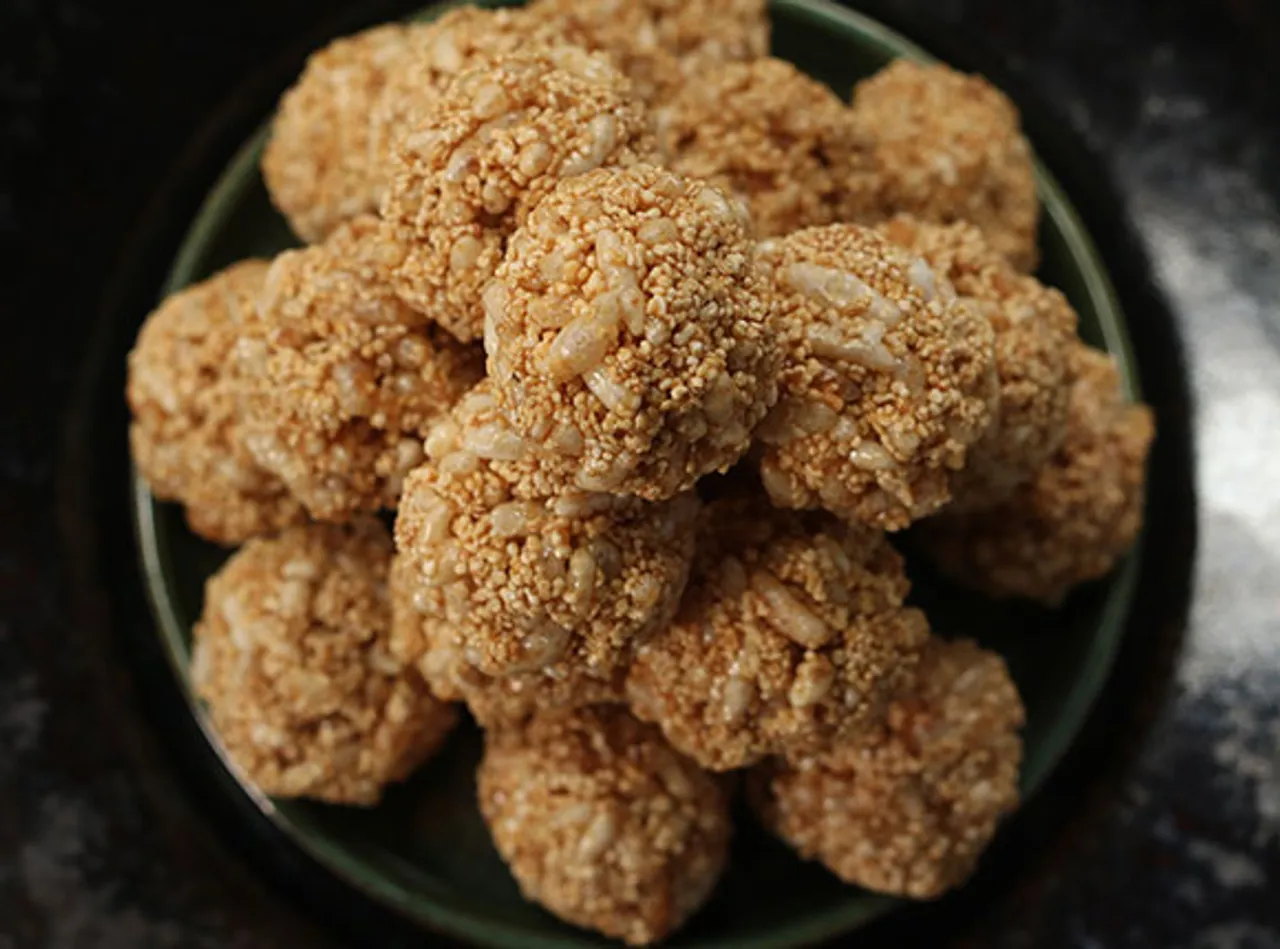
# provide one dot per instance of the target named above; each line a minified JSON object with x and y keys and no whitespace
{"x":949,"y":147}
{"x":782,"y":143}
{"x":320,"y":165}
{"x":292,"y":656}
{"x":347,"y":382}
{"x":887,"y":382}
{"x":439,"y":652}
{"x":187,"y":435}
{"x":602,"y":823}
{"x":627,"y":332}
{"x":528,"y":581}
{"x":1034,"y":328}
{"x":910,"y":810}
{"x":1078,"y":516}
{"x":792,"y":635}
{"x":662,"y":44}
{"x":493,"y":145}
{"x":459,"y":40}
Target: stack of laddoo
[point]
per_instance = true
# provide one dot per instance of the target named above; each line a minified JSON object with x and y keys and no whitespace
{"x":564,"y":268}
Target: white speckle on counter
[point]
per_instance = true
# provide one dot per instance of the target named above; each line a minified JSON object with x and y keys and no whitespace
{"x":1231,"y":869}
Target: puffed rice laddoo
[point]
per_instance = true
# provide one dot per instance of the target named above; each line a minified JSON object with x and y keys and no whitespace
{"x":1034,"y":328}
{"x":488,"y":150}
{"x":527,"y":581}
{"x":460,"y":39}
{"x":1074,"y":521}
{"x":187,"y":434}
{"x":662,"y":45}
{"x":887,"y":382}
{"x":792,"y":635}
{"x":770,"y":136}
{"x":292,"y":656}
{"x":602,"y":823}
{"x":910,"y":810}
{"x":320,"y":165}
{"x":949,"y":147}
{"x":347,"y":380}
{"x":439,"y":652}
{"x":627,"y":332}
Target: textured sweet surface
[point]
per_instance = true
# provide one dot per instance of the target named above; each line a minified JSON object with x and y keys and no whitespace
{"x":781,"y":142}
{"x":603,"y":823}
{"x":661,"y":44}
{"x":1034,"y":327}
{"x":346,"y":380}
{"x":184,"y":390}
{"x":792,"y":635}
{"x":1080,"y":513}
{"x":292,"y":655}
{"x":886,"y":382}
{"x":627,"y":331}
{"x":461,"y":39}
{"x":321,"y":165}
{"x":483,"y":154}
{"x":949,"y":147}
{"x":527,"y":581}
{"x":909,"y":810}
{"x":439,"y":652}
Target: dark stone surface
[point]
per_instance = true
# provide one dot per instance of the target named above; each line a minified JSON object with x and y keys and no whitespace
{"x":1162,"y":829}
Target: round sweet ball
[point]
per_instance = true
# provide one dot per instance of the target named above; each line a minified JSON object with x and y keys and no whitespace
{"x":791,"y":635}
{"x":459,"y":40}
{"x":1034,"y":329}
{"x":662,"y":45}
{"x":187,"y":433}
{"x":770,"y":136}
{"x":529,"y":581}
{"x":627,"y":331}
{"x":319,"y":166}
{"x":494,"y":143}
{"x":1076,"y":518}
{"x":909,"y":810}
{"x":950,"y":147}
{"x":437,"y":649}
{"x":602,"y":823}
{"x":347,"y":380}
{"x":292,"y":655}
{"x":887,"y":381}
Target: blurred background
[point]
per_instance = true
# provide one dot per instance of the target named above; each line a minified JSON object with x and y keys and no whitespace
{"x":1162,"y":829}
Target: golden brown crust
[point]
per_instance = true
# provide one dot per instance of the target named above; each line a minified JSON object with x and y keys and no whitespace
{"x":320,"y":166}
{"x":949,"y":147}
{"x":887,"y":381}
{"x":662,"y":44}
{"x":1078,"y":516}
{"x":528,"y":581}
{"x":626,"y":331}
{"x":484,"y":154}
{"x":292,"y":656}
{"x":187,"y":435}
{"x":1034,"y":327}
{"x":602,"y":823}
{"x":459,"y":40}
{"x":792,"y":635}
{"x":909,"y":810}
{"x":435,"y":647}
{"x":767,"y":134}
{"x":347,"y":381}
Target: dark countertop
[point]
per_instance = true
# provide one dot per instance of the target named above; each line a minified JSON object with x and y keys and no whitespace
{"x":1162,"y":829}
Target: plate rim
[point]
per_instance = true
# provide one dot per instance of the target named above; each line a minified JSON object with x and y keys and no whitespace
{"x":238,"y":176}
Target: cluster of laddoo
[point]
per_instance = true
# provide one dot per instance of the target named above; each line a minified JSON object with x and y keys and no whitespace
{"x":565,"y":266}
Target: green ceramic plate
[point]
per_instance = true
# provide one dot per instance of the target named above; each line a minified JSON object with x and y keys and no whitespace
{"x":424,"y":851}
